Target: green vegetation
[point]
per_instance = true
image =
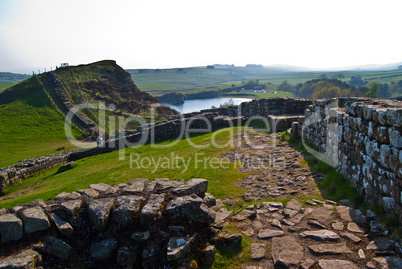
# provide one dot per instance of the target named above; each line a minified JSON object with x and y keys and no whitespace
{"x":30,"y":126}
{"x":374,"y":90}
{"x":4,"y":86}
{"x":108,"y":169}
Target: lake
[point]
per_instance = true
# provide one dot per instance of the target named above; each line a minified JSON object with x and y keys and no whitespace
{"x":196,"y":105}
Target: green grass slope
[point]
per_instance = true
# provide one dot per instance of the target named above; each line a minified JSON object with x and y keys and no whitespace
{"x":30,"y":124}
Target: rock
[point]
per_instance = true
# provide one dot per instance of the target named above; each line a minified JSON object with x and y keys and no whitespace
{"x":318,"y":201}
{"x":244,"y":214}
{"x":141,"y":236}
{"x":197,"y":186}
{"x":286,"y":252}
{"x":296,"y":219}
{"x":148,"y":257}
{"x":257,"y":251}
{"x":34,"y":219}
{"x":354,"y":228}
{"x":210,"y":201}
{"x":149,"y":211}
{"x":62,"y":196}
{"x":104,"y":249}
{"x":189,"y":208}
{"x":272,"y":204}
{"x":208,"y":255}
{"x":178,"y":247}
{"x":223,"y":213}
{"x":311,"y":202}
{"x":330,"y":249}
{"x":57,"y":247}
{"x":289,"y":213}
{"x":125,"y":209}
{"x":126,"y":256}
{"x":316,"y":224}
{"x":381,"y":244}
{"x":322,"y":214}
{"x":89,"y":192}
{"x":162,"y":184}
{"x":288,"y":222}
{"x":99,"y":212}
{"x":336,"y":264}
{"x":72,"y":206}
{"x":337,"y":225}
{"x":267,"y":233}
{"x":294,"y":205}
{"x":63,"y":226}
{"x":321,"y":235}
{"x":351,"y":237}
{"x":361,"y":254}
{"x":136,"y":186}
{"x":27,"y":259}
{"x":10,"y":228}
{"x":348,"y":214}
{"x":225,"y":238}
{"x":105,"y":188}
{"x":248,"y":232}
{"x":307,"y":264}
{"x":376,"y":226}
{"x":276,"y":223}
{"x":388,"y":262}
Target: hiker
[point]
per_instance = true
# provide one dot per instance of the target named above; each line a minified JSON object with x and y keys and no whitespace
{"x":99,"y":141}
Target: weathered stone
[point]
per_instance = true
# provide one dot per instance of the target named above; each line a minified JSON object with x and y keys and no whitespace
{"x":71,"y":206}
{"x":257,"y":251}
{"x":307,"y":264}
{"x":126,"y":256}
{"x":34,"y":220}
{"x":244,"y":214}
{"x":316,"y":224}
{"x":337,"y":225}
{"x":223,"y":213}
{"x":178,"y":247}
{"x":388,"y":204}
{"x":390,"y":262}
{"x":248,"y":232}
{"x":99,"y":212}
{"x":286,"y":252}
{"x":24,"y":260}
{"x":89,"y":192}
{"x":354,"y":228}
{"x":63,"y":226}
{"x":361,"y":254}
{"x":210,"y":201}
{"x":141,"y":236}
{"x":322,"y":214}
{"x":311,"y":202}
{"x":267,"y":233}
{"x":381,"y":244}
{"x":10,"y":228}
{"x":296,"y":219}
{"x":336,"y":264}
{"x":105,"y":188}
{"x":348,"y":214}
{"x":294,"y":205}
{"x":330,"y":249}
{"x":57,"y":247}
{"x":104,"y":249}
{"x":190,"y":208}
{"x":289,"y":213}
{"x":351,"y":237}
{"x":125,"y":209}
{"x":136,"y":186}
{"x":287,"y":222}
{"x":276,"y":223}
{"x":208,"y":255}
{"x":163,"y":184}
{"x":225,"y":238}
{"x":149,"y":212}
{"x":273,"y":204}
{"x":197,"y":186}
{"x":62,"y":196}
{"x":321,"y":235}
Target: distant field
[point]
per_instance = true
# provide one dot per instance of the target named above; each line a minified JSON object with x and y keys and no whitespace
{"x":4,"y":86}
{"x":200,"y":78}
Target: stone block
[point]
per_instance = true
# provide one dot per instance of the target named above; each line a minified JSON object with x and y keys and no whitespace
{"x":34,"y":219}
{"x":10,"y":228}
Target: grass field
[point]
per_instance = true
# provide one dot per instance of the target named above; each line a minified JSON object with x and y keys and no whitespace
{"x":108,"y":169}
{"x":30,"y":126}
{"x":4,"y":86}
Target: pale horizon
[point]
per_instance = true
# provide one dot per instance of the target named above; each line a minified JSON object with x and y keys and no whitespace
{"x":159,"y":34}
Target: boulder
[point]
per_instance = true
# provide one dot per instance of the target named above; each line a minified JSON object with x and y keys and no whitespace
{"x":99,"y":212}
{"x":26,"y":259}
{"x":136,"y":186}
{"x":178,"y":247}
{"x":89,"y":192}
{"x":210,"y":201}
{"x":149,"y":212}
{"x":10,"y":228}
{"x":104,"y":249}
{"x":63,"y":226}
{"x":126,"y":208}
{"x":34,"y":219}
{"x":208,"y":255}
{"x":286,"y":252}
{"x":197,"y":186}
{"x":71,"y":206}
{"x":57,"y":247}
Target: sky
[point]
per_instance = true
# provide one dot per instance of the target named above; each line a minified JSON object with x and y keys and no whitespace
{"x":182,"y":33}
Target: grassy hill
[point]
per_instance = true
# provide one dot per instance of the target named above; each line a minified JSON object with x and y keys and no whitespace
{"x":32,"y":124}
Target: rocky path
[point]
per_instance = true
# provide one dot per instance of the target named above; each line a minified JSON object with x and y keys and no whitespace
{"x":317,"y":234}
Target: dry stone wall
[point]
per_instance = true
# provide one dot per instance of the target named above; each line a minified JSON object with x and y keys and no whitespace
{"x":362,"y":138}
{"x":133,"y":225}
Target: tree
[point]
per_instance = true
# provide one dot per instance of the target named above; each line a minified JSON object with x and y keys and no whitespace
{"x":373,"y":91}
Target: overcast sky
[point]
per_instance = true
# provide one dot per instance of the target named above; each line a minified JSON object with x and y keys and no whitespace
{"x":161,"y":34}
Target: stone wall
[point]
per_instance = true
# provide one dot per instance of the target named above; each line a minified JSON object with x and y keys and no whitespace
{"x":362,"y":138}
{"x":133,"y":225}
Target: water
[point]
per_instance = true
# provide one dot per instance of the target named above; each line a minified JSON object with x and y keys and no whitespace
{"x":196,"y":105}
